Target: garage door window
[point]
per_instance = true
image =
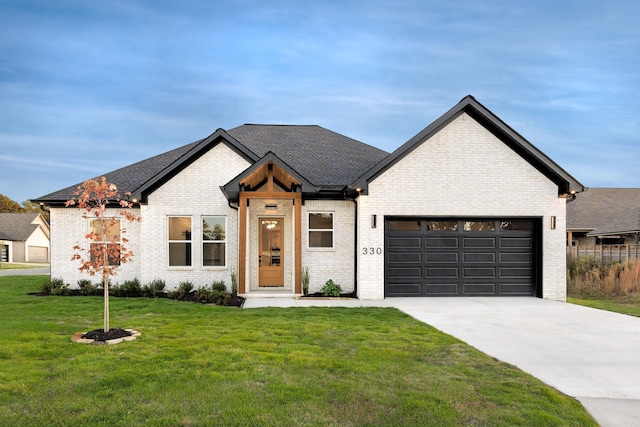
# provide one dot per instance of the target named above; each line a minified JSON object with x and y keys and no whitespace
{"x":516,"y":225}
{"x":442,"y":225}
{"x":404,"y":225}
{"x":479,"y":226}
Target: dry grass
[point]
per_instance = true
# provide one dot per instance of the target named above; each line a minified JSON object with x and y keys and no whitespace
{"x":587,"y":278}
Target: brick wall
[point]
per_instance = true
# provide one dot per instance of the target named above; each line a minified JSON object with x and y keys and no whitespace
{"x":68,"y":228}
{"x":194,"y":192}
{"x":336,"y":263}
{"x":463,"y":171}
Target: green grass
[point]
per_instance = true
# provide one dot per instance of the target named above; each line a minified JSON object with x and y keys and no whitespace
{"x":625,"y":305}
{"x":206,"y":365}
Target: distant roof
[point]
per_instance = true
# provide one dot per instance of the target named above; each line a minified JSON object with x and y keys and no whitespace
{"x":325,"y":158}
{"x":17,"y":226}
{"x":605,"y":211}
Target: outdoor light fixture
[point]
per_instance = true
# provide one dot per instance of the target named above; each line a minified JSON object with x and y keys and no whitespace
{"x":553,"y":222}
{"x":271,"y":207}
{"x":374,"y":221}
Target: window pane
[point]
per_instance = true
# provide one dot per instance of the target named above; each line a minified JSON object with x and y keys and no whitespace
{"x":479,"y":226}
{"x":179,"y":254}
{"x":213,"y":228}
{"x":321,"y":239}
{"x":400,"y":225}
{"x":213,"y":254}
{"x":442,"y":225}
{"x":110,"y":226}
{"x":98,"y":257}
{"x":517,"y":225}
{"x":320,"y":221}
{"x":180,"y":228}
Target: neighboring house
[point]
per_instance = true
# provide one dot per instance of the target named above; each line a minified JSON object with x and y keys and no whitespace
{"x":24,"y":237}
{"x":466,"y":207}
{"x":604,"y":216}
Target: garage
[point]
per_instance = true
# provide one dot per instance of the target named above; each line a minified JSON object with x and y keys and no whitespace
{"x":462,"y":257}
{"x":38,"y":254}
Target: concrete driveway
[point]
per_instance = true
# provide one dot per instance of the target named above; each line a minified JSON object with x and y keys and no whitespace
{"x":592,"y":355}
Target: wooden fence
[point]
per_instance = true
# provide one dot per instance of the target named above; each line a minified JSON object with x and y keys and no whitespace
{"x":605,"y":254}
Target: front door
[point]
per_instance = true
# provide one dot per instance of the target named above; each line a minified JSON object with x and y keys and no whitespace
{"x":270,"y":256}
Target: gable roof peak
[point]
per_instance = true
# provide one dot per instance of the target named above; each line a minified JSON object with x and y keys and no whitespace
{"x":469,"y":105}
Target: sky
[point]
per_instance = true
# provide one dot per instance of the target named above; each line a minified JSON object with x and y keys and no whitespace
{"x":87,"y":87}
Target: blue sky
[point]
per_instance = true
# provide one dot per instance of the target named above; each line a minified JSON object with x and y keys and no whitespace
{"x":87,"y":87}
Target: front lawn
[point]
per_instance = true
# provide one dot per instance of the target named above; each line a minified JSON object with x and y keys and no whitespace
{"x":626,"y":304}
{"x":203,"y":365}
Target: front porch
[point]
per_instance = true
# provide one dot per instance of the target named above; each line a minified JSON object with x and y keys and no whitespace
{"x":269,"y":196}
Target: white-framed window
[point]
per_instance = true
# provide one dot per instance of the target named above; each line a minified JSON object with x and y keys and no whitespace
{"x":179,"y":241}
{"x":109,"y":233}
{"x":214,"y":241}
{"x":321,"y":230}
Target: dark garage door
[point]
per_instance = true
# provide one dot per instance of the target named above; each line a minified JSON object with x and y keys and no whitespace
{"x":461,"y":257}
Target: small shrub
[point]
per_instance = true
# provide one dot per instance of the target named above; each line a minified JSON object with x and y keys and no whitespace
{"x":116,"y":290}
{"x":203,"y":294}
{"x":306,"y":277}
{"x":183,"y":291}
{"x":218,"y":297}
{"x":219,"y":286}
{"x":216,"y":293}
{"x":46,"y":288}
{"x":87,"y":288}
{"x":130,"y":288}
{"x":152,"y":289}
{"x":331,"y":289}
{"x":58,"y":287}
{"x":234,"y":283}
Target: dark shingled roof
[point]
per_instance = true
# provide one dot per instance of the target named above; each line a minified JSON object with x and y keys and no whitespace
{"x":325,"y":158}
{"x":129,"y":177}
{"x":605,"y":211}
{"x":17,"y":227}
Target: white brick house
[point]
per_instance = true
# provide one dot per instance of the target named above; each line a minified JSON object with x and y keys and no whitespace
{"x":466,"y":207}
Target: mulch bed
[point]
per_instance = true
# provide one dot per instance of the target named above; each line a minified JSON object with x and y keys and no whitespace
{"x":320,"y":295}
{"x":234,"y":301}
{"x":111,"y":334}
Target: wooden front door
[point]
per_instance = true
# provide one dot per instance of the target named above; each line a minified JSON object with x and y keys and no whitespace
{"x":271,"y":252}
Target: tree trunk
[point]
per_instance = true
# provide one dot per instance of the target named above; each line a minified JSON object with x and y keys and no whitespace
{"x":105,"y":279}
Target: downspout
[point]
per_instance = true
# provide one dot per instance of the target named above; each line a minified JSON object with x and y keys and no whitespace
{"x":355,"y":243}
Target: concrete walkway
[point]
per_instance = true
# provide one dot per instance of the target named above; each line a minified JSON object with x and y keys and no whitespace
{"x":592,"y":355}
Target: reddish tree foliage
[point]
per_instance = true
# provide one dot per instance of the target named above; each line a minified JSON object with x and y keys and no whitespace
{"x":107,"y":247}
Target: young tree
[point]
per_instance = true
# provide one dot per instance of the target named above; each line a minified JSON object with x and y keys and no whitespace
{"x":107,"y":247}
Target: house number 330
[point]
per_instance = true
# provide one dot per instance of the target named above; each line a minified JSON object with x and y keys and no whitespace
{"x":372,"y":251}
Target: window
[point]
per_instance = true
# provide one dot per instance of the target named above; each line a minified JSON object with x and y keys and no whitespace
{"x":516,"y":225}
{"x":479,"y":226}
{"x":179,"y":241}
{"x":320,"y":230}
{"x":214,"y":238}
{"x":108,"y":232}
{"x":442,"y":225}
{"x":404,"y":225}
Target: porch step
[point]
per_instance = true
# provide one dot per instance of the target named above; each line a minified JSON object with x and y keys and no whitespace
{"x":270,"y":294}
